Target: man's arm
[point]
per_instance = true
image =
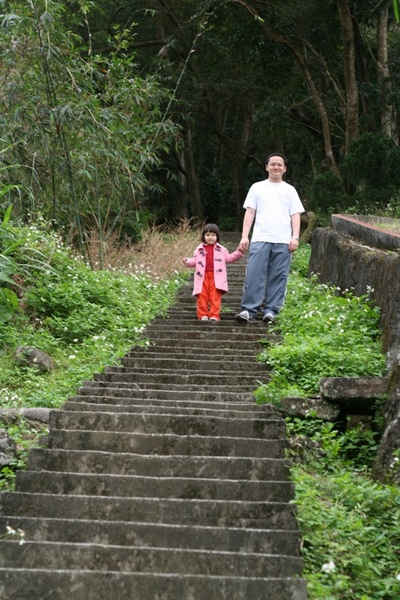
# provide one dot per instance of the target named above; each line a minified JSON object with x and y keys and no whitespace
{"x":247,"y":223}
{"x":294,"y":242}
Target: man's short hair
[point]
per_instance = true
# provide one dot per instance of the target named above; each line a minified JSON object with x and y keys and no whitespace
{"x":285,"y":160}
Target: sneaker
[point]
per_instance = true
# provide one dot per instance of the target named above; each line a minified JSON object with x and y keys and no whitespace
{"x":204,"y":319}
{"x":213,"y":319}
{"x":268,"y":317}
{"x":243,"y":316}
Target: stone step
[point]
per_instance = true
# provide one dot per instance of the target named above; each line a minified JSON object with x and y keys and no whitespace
{"x":166,"y":444}
{"x":177,"y":409}
{"x":187,"y":304}
{"x":100,"y":585}
{"x":143,"y":486}
{"x":185,"y":345}
{"x":229,"y":539}
{"x":188,"y":388}
{"x":209,"y":467}
{"x":188,"y":366}
{"x":200,"y":353}
{"x":264,"y":426}
{"x":162,"y":478}
{"x":231,"y":339}
{"x":138,"y":403}
{"x":233,"y":298}
{"x":160,"y":387}
{"x":232,"y":513}
{"x":186,"y":315}
{"x":230,"y":305}
{"x":210,"y":363}
{"x":98,"y":557}
{"x":172,"y":393}
{"x":187,"y":378}
{"x":186,"y":309}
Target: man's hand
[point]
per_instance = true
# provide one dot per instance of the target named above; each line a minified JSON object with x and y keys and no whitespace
{"x":244,"y":244}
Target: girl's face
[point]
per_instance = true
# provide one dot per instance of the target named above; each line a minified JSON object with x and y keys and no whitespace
{"x":210,"y":237}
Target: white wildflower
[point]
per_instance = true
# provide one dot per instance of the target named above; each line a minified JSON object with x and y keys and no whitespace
{"x":328,"y":567}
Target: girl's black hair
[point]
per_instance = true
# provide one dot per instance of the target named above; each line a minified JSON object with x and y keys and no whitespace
{"x":211,"y":227}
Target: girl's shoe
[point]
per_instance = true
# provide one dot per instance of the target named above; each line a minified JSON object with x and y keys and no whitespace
{"x":204,"y":319}
{"x":214,"y":319}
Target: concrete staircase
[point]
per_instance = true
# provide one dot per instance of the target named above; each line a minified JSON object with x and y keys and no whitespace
{"x":161,"y":479}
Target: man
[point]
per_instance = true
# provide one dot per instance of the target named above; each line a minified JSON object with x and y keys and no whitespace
{"x":275,"y":208}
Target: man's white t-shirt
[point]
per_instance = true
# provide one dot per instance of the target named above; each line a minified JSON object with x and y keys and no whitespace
{"x":274,"y":204}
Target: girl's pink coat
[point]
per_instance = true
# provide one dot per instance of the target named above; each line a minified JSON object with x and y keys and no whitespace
{"x":221,"y":259}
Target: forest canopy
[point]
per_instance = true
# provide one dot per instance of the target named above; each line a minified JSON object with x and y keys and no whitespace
{"x":116,"y":115}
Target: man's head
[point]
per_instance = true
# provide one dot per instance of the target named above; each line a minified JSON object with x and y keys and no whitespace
{"x":276,"y":166}
{"x":276,"y":154}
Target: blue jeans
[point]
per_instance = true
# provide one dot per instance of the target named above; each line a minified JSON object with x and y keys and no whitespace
{"x":267,"y":273}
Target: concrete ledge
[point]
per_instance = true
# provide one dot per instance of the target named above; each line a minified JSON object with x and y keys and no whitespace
{"x":345,"y":263}
{"x":11,"y":415}
{"x":365,"y":229}
{"x":344,"y":388}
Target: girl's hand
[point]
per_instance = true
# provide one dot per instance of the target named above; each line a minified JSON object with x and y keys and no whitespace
{"x":184,"y":261}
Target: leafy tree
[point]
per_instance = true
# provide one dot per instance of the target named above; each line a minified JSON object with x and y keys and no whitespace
{"x":82,"y":129}
{"x":244,"y":78}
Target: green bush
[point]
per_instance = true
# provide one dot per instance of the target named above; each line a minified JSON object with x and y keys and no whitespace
{"x":324,"y":335}
{"x":328,"y":195}
{"x":373,"y":161}
{"x":83,"y":319}
{"x":349,"y":523}
{"x":350,"y":534}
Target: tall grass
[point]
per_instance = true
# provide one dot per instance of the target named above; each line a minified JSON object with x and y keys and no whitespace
{"x":158,"y":252}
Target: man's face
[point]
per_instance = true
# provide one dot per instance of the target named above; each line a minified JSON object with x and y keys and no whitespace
{"x":276,"y":168}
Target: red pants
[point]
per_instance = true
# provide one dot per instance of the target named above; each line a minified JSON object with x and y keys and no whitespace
{"x":209,"y":300}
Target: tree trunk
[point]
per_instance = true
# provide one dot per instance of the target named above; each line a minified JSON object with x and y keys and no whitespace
{"x":190,"y":181}
{"x":349,"y":72}
{"x":388,"y":115}
{"x":238,"y":150}
{"x":301,"y":61}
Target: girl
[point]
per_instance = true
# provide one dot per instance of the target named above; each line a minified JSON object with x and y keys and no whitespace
{"x":210,"y":279}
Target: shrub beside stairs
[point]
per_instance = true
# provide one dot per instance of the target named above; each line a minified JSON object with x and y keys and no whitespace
{"x":161,"y":479}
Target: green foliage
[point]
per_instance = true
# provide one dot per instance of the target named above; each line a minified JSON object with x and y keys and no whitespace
{"x":328,"y":195}
{"x":82,"y":130}
{"x":355,"y":448}
{"x":24,"y":436}
{"x":324,"y":335}
{"x":392,"y":209}
{"x":372,"y":161}
{"x":371,"y":179}
{"x":350,"y":535}
{"x":349,"y":523}
{"x":8,"y":243}
{"x":17,"y":260}
{"x":83,"y":319}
